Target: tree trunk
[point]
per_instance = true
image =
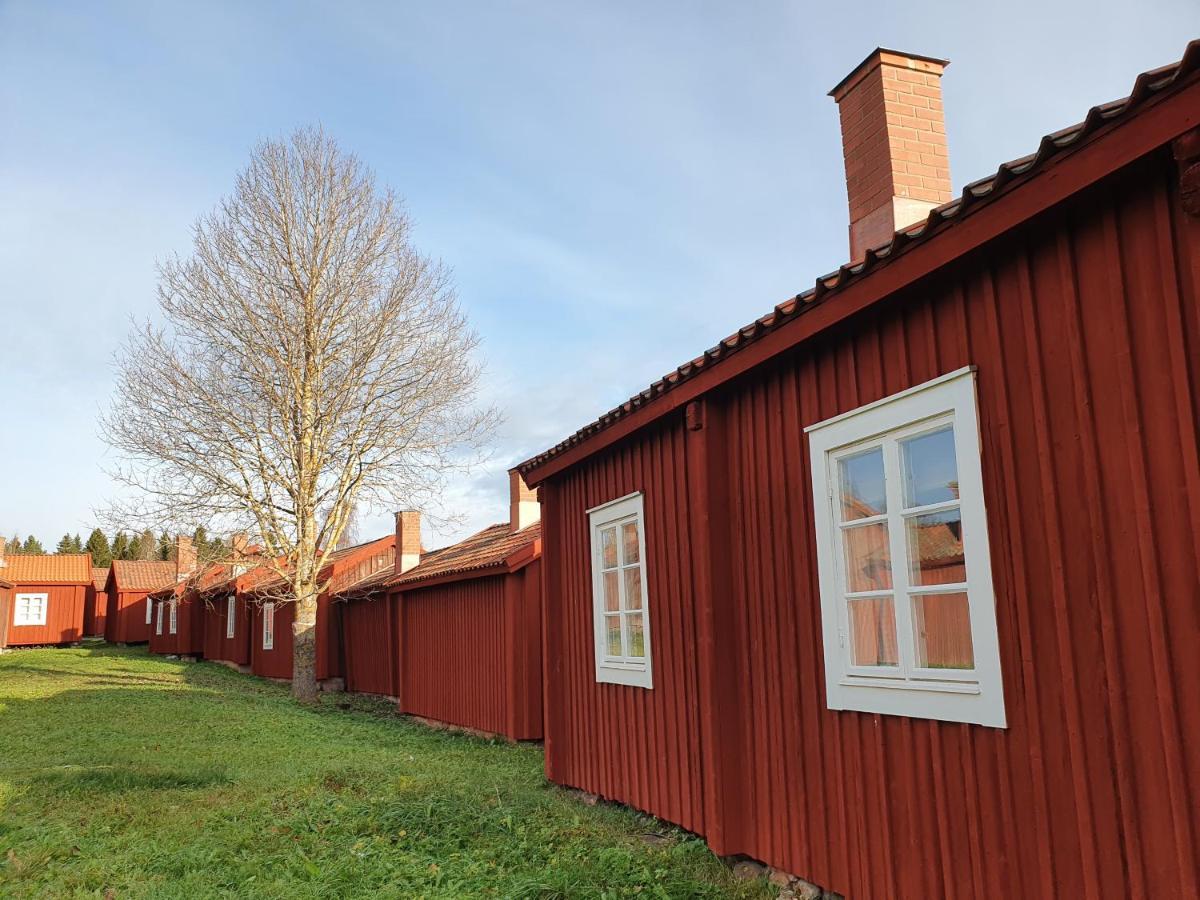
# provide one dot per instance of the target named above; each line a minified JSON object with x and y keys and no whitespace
{"x":304,"y":650}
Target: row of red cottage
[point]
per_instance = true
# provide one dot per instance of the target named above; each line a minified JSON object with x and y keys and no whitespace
{"x":453,"y":635}
{"x":897,"y":588}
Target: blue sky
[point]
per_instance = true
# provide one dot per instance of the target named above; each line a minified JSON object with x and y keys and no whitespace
{"x":615,"y":185}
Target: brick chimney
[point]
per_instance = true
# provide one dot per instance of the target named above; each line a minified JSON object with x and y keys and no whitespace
{"x":523,"y":506}
{"x":185,"y":556}
{"x":408,"y":540}
{"x":894,"y":144}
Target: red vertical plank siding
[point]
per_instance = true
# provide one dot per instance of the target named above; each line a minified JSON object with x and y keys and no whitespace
{"x":125,"y":621}
{"x":64,"y":615}
{"x":470,"y":653}
{"x":95,"y":610}
{"x":369,"y":645}
{"x":1085,"y":328}
{"x":277,"y":662}
{"x":216,"y":645}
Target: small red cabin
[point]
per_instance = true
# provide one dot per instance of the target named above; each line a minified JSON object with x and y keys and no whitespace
{"x":129,"y":613}
{"x":895,"y":589}
{"x":95,"y":604}
{"x":271,"y":614}
{"x":44,"y":603}
{"x":455,"y":634}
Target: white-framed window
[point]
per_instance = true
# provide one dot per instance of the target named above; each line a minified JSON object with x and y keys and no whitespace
{"x":268,"y":616}
{"x":158,"y":619}
{"x":907,"y":606}
{"x":30,"y":609}
{"x":230,"y":616}
{"x":619,"y":597}
{"x":150,"y":610}
{"x":174,"y":615}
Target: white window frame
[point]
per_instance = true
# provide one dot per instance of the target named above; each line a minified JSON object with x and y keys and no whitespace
{"x":158,"y":621}
{"x":150,"y":611}
{"x":174,"y":618}
{"x":977,"y":696}
{"x":23,"y":610}
{"x":268,"y":634}
{"x":230,"y":616}
{"x":624,"y":670}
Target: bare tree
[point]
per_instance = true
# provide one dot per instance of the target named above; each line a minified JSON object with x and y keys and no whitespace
{"x":309,"y":359}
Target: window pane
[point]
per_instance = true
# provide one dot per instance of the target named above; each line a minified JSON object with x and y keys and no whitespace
{"x":862,"y":484}
{"x":612,"y":631}
{"x":873,"y":632}
{"x":929,"y":467}
{"x":942,"y":630}
{"x":935,"y":549}
{"x":629,"y":542}
{"x":608,"y":547}
{"x":637,"y":635}
{"x":633,"y":588}
{"x":612,"y":598}
{"x":868,"y":557}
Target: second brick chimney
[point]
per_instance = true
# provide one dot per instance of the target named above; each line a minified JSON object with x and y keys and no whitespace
{"x":523,"y":506}
{"x":408,"y":540}
{"x":894,"y":144}
{"x":185,"y":556}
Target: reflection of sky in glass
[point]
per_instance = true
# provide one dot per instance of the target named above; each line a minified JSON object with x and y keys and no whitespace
{"x":862,"y":485}
{"x":930,"y":469}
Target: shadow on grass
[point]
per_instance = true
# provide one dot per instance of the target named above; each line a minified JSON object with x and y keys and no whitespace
{"x":106,"y":779}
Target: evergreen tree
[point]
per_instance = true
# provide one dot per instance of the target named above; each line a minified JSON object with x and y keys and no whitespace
{"x":76,"y":544}
{"x":120,"y":546}
{"x":64,"y":545}
{"x":147,"y":546}
{"x":97,"y":545}
{"x":32,"y":545}
{"x":13,"y":547}
{"x":166,"y":546}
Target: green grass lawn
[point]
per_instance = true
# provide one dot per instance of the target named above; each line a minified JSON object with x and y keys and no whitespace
{"x":127,"y":775}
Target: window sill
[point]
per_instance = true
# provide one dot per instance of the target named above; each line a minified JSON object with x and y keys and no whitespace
{"x":628,"y":676}
{"x":892,"y":684}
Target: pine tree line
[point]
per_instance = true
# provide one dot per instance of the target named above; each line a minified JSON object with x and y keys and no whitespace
{"x":122,"y":546}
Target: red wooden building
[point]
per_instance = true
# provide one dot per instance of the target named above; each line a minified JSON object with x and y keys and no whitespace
{"x":178,"y":616}
{"x":271,"y":614}
{"x":44,"y":603}
{"x":228,"y":619}
{"x":95,"y":604}
{"x":896,"y":588}
{"x":129,"y":613}
{"x":455,"y":634}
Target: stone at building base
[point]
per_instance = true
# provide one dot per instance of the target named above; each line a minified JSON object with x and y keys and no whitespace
{"x":332,"y":685}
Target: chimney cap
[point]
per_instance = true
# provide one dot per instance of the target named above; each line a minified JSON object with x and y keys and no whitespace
{"x":879,"y":54}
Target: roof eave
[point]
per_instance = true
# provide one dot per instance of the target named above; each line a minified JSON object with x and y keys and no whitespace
{"x":1110,"y":147}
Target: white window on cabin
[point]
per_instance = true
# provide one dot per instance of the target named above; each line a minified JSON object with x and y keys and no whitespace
{"x":149,"y":610}
{"x":174,"y":616}
{"x":158,"y":621}
{"x":230,"y":616}
{"x":268,"y":617}
{"x":30,"y":609}
{"x":619,"y":596}
{"x":907,"y":606}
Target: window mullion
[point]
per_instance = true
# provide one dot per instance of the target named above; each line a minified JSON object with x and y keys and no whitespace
{"x":902,"y":608}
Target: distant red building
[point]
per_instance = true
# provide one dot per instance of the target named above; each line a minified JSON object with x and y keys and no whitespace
{"x":896,"y":588}
{"x":95,"y":604}
{"x":43,"y":603}
{"x":455,"y":634}
{"x":128,"y":613}
{"x":271,"y":613}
